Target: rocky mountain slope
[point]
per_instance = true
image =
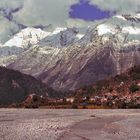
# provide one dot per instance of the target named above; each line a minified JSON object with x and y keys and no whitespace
{"x":15,"y":87}
{"x":20,"y":42}
{"x":123,"y":84}
{"x":69,"y":58}
{"x":121,"y":91}
{"x":75,"y":66}
{"x":65,"y":37}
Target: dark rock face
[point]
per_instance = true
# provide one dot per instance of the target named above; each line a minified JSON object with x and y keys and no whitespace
{"x":15,"y":87}
{"x":132,"y":18}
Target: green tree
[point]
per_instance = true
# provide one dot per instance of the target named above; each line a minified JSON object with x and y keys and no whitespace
{"x":134,"y":88}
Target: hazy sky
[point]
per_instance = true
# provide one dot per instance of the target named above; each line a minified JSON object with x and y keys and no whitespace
{"x":16,"y":14}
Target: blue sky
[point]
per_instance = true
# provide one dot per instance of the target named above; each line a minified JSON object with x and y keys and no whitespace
{"x":88,"y":12}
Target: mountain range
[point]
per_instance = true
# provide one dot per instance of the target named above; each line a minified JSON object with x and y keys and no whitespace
{"x":70,"y":58}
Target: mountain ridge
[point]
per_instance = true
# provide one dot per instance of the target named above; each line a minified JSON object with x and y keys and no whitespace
{"x":15,"y":87}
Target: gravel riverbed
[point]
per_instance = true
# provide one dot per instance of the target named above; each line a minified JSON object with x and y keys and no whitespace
{"x":47,"y":124}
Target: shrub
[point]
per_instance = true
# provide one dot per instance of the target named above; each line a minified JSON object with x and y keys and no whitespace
{"x":134,"y":88}
{"x":35,"y":98}
{"x":136,"y":76}
{"x":74,"y":106}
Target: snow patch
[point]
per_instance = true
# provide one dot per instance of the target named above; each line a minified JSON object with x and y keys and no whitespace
{"x":58,"y":30}
{"x":79,"y":36}
{"x":131,"y":30}
{"x":104,"y":29}
{"x":120,"y":17}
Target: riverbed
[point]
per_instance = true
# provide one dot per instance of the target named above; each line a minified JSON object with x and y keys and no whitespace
{"x":69,"y":124}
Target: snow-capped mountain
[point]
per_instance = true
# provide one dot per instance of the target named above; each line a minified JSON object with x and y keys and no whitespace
{"x":75,"y":66}
{"x":133,"y":18}
{"x":106,"y":28}
{"x":61,"y":37}
{"x":67,"y":59}
{"x":26,"y":37}
{"x":20,"y":42}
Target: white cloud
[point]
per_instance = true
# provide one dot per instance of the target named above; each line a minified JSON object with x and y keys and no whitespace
{"x":37,"y":12}
{"x":6,"y":29}
{"x":34,"y":12}
{"x":10,"y":3}
{"x":121,"y":6}
{"x":82,"y":23}
{"x":56,"y":12}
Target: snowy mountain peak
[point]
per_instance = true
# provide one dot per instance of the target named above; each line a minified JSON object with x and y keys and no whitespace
{"x":120,"y":17}
{"x":129,"y":17}
{"x":26,"y":37}
{"x":104,"y":29}
{"x":133,"y":18}
{"x":61,"y":37}
{"x":58,"y":30}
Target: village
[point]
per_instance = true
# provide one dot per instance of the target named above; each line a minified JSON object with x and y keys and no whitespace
{"x":104,"y":101}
